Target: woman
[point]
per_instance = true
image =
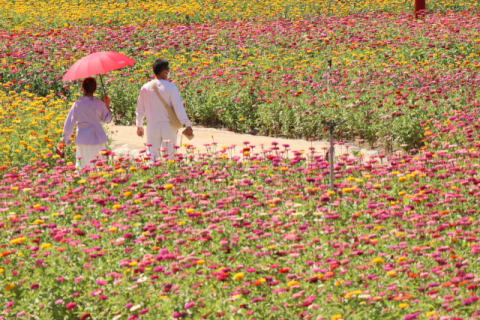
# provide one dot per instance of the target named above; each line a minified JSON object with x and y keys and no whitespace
{"x":87,"y":113}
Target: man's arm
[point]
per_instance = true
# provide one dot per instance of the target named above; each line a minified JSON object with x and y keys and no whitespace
{"x":140,"y":112}
{"x":179,"y":108}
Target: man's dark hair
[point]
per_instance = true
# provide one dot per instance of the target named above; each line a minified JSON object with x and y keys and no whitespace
{"x":159,"y":65}
{"x":90,"y":85}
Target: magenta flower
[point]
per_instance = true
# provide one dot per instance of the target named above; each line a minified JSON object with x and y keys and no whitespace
{"x":189,"y":305}
{"x":71,"y":305}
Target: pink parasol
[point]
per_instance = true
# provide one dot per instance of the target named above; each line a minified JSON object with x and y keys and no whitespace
{"x":97,"y":63}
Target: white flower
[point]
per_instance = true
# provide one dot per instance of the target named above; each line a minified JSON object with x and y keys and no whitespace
{"x":135,"y":308}
{"x":142,"y":279}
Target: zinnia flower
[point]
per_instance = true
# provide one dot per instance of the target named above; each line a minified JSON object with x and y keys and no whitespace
{"x":71,"y":305}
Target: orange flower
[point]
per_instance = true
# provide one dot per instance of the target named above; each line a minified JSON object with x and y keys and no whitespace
{"x":333,"y":267}
{"x":446,"y":284}
{"x":408,"y":297}
{"x":413,"y":275}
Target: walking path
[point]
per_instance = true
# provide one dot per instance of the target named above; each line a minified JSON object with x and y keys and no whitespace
{"x":125,"y":140}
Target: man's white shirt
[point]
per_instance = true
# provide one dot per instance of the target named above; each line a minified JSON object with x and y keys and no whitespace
{"x":150,"y":106}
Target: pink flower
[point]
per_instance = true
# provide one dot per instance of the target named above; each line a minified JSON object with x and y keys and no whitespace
{"x":189,"y":305}
{"x":71,"y":305}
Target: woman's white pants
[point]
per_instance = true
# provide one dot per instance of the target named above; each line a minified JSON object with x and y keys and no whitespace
{"x":160,"y":135}
{"x":87,"y":152}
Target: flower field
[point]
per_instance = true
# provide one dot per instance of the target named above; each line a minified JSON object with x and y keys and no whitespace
{"x":245,"y":232}
{"x":247,"y":236}
{"x":271,"y":76}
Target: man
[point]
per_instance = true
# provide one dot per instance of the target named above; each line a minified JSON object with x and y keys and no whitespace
{"x":160,"y":132}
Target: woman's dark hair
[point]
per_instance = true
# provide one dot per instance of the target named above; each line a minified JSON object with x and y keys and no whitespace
{"x":90,"y":85}
{"x":159,"y":65}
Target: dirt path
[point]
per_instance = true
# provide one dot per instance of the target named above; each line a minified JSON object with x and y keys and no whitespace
{"x":125,"y":140}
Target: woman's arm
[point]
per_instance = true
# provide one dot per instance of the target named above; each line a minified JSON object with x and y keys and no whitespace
{"x":106,"y":113}
{"x":69,"y":125}
{"x":107,"y":103}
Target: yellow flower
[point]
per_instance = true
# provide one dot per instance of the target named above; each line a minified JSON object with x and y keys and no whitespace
{"x":46,"y":246}
{"x":76,"y":217}
{"x":9,"y":287}
{"x":351,"y":179}
{"x":117,"y":206}
{"x":401,"y":259}
{"x":238,"y":276}
{"x":132,"y":169}
{"x":133,"y":263}
{"x":403,"y":305}
{"x":391,"y":274}
{"x":293,"y":283}
{"x":378,"y":261}
{"x":168,"y":186}
{"x":402,"y":179}
{"x":401,"y":193}
{"x":337,"y":317}
{"x":81,"y":181}
{"x":128,"y":194}
{"x":1,"y":271}
{"x":200,"y":262}
{"x":18,"y":240}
